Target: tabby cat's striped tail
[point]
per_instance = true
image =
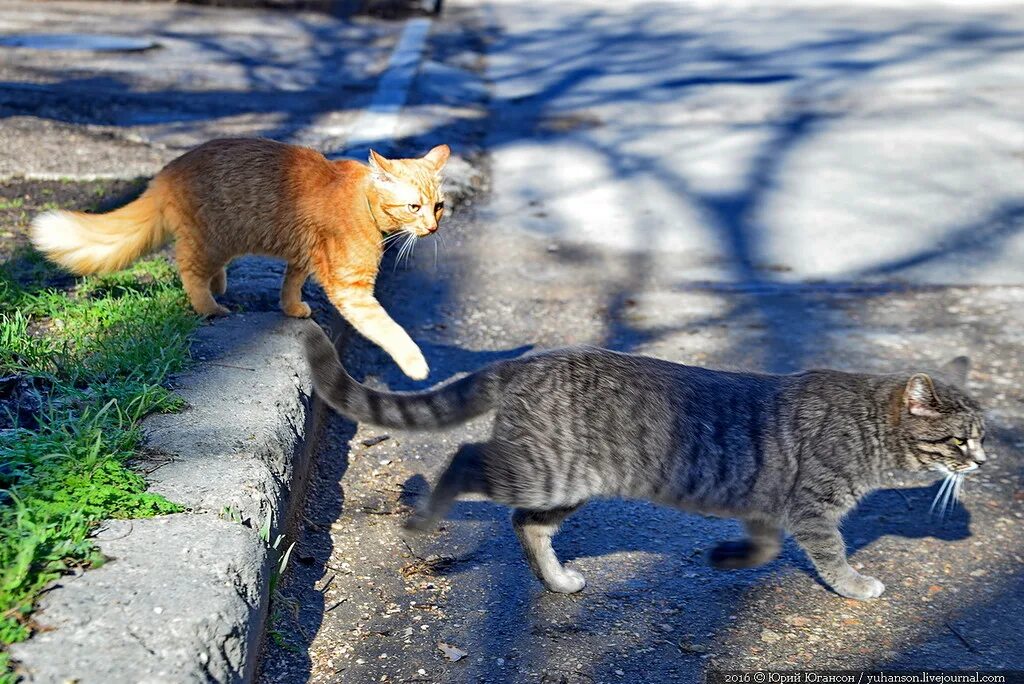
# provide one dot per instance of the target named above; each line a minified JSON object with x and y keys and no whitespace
{"x":450,"y":404}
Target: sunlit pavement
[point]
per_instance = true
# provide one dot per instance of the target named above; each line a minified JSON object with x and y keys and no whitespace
{"x":771,"y":186}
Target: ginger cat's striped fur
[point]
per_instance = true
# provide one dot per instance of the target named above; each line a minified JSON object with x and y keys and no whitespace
{"x":232,"y":197}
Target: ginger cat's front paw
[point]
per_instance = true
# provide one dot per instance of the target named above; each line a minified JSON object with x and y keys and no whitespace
{"x":297,"y":310}
{"x":414,"y":365}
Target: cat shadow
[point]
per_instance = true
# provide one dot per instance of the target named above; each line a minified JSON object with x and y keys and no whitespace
{"x":904,"y":513}
{"x":666,"y":531}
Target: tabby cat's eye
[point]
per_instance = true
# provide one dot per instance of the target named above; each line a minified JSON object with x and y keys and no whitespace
{"x":956,"y":441}
{"x":414,"y":208}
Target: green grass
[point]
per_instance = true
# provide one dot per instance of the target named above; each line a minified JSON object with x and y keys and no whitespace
{"x":93,"y":357}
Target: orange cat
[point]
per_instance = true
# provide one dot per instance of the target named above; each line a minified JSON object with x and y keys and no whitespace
{"x":232,"y":197}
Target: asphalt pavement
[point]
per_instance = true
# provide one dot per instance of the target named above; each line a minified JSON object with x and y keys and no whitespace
{"x":761,"y":185}
{"x":769,"y":186}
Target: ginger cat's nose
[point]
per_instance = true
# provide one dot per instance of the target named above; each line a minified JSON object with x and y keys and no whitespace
{"x":432,"y":229}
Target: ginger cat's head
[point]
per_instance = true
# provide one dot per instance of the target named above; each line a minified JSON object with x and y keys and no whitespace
{"x":409,"y":191}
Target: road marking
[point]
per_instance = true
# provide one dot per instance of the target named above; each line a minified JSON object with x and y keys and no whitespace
{"x":378,"y":122}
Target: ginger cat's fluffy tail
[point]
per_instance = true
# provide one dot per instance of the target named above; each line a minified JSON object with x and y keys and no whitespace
{"x":101,"y":243}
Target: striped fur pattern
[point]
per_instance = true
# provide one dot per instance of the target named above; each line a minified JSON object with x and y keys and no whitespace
{"x":779,"y":452}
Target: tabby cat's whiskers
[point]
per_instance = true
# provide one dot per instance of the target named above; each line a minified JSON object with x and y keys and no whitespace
{"x":780,"y":452}
{"x":948,"y":495}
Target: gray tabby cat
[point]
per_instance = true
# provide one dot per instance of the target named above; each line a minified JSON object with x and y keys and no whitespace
{"x":779,"y":452}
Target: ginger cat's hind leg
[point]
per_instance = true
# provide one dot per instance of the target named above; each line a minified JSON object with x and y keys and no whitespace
{"x":197,"y":276}
{"x":291,"y":292}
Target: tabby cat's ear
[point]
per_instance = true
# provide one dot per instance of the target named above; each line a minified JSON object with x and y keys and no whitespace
{"x":438,"y":156}
{"x":382,"y":166}
{"x":920,"y":397}
{"x":956,"y":371}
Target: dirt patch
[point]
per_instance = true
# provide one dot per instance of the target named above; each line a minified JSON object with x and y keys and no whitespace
{"x":21,"y":200}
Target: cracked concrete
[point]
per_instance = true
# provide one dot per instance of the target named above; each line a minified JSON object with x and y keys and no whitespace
{"x":185,"y":597}
{"x":174,"y":603}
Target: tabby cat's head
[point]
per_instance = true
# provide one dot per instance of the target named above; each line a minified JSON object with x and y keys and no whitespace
{"x":409,"y":191}
{"x":941,"y":426}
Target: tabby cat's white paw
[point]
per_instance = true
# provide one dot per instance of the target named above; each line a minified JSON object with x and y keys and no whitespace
{"x":860,"y":587}
{"x":567,"y":582}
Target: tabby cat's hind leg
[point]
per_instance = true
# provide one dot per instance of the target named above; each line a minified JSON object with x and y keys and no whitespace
{"x":197,"y":275}
{"x":464,"y":475}
{"x":762,"y":545}
{"x":534,"y":529}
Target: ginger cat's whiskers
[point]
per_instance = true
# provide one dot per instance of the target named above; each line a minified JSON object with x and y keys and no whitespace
{"x":404,"y":250}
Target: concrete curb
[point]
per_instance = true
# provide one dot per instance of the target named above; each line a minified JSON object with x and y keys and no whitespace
{"x":185,"y":596}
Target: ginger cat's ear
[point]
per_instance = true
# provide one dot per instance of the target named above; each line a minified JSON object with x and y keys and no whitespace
{"x":438,"y":156}
{"x":381,"y":166}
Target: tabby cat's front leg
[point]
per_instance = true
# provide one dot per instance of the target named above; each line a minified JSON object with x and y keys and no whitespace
{"x":534,"y":529}
{"x":821,"y":539}
{"x":364,"y":312}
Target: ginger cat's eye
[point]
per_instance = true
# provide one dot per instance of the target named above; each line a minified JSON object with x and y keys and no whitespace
{"x":438,"y":207}
{"x":415,"y":208}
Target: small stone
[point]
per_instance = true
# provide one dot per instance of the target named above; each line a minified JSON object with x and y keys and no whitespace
{"x":687,"y":647}
{"x":158,"y":610}
{"x":452,"y":653}
{"x":372,"y":441}
{"x":770,"y":637}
